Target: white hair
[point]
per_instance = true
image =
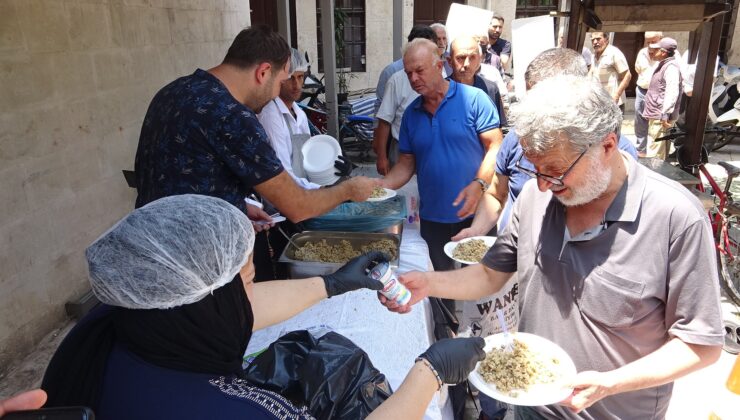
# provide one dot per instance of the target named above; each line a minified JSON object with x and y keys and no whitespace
{"x":571,"y":109}
{"x":438,"y":25}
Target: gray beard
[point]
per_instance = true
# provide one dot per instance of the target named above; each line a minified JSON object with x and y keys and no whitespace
{"x":592,"y":189}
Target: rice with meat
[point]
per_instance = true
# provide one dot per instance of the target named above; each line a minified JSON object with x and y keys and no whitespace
{"x":518,"y":369}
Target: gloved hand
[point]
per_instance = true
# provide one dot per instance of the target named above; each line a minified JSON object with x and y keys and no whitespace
{"x":354,"y":275}
{"x":455,"y":358}
{"x":343,"y":165}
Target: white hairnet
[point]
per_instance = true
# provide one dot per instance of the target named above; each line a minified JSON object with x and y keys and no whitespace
{"x":171,"y":252}
{"x":297,"y":61}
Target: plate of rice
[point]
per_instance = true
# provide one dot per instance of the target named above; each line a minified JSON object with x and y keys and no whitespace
{"x":469,"y":250}
{"x":533,"y":374}
{"x":381,"y":194}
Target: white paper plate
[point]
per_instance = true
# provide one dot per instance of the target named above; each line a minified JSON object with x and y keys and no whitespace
{"x":388,"y":194}
{"x":538,"y":394}
{"x":319,"y":154}
{"x":450,"y":246}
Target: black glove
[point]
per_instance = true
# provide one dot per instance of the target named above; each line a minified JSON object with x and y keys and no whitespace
{"x":343,"y":165}
{"x":354,"y":275}
{"x":455,"y":358}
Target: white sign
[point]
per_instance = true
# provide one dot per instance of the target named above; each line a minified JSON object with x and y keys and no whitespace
{"x":466,"y":20}
{"x":529,"y":37}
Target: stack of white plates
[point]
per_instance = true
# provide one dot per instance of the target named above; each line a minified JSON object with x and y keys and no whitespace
{"x":319,"y":154}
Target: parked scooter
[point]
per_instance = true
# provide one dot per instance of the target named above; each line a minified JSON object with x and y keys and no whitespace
{"x":724,"y":109}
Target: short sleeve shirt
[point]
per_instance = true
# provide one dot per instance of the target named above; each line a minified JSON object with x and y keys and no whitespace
{"x":446,"y":147}
{"x":501,"y":47}
{"x":649,"y":276}
{"x":607,"y":68}
{"x":397,"y":97}
{"x":197,"y":139}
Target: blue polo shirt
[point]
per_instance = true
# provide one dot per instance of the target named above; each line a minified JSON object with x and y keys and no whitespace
{"x":446,"y":147}
{"x":509,"y":154}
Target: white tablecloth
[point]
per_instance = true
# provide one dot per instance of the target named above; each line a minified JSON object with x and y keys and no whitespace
{"x":391,"y":340}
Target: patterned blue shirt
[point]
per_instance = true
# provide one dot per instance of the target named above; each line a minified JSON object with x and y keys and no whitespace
{"x":197,"y":139}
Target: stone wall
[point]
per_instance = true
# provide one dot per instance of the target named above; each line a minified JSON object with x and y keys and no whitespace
{"x":76,"y":78}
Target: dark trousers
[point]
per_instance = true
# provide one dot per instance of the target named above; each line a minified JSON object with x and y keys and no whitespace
{"x":436,"y":236}
{"x":268,"y":246}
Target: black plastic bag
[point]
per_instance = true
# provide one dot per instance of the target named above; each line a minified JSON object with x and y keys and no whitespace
{"x":330,"y":375}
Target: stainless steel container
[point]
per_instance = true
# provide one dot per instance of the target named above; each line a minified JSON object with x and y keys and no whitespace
{"x":302,"y":269}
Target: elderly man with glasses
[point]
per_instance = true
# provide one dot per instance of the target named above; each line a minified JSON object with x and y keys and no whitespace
{"x":615,"y":262}
{"x":512,"y":168}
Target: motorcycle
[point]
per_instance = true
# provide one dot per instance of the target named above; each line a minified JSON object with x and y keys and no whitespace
{"x":724,"y":111}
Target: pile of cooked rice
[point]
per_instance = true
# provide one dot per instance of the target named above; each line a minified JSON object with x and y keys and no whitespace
{"x":472,"y":250}
{"x":518,"y":369}
{"x":341,"y":252}
{"x":377,"y":192}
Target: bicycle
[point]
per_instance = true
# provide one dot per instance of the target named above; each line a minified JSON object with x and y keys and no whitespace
{"x":723,"y":215}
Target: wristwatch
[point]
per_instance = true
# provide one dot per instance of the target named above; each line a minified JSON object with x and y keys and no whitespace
{"x":483,"y":184}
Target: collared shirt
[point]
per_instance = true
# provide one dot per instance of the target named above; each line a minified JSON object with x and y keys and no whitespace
{"x":607,"y":68}
{"x":509,"y":154}
{"x":397,"y":97}
{"x":446,"y":147}
{"x":385,"y":75}
{"x":644,"y":66}
{"x":273,"y":119}
{"x":197,"y":139}
{"x":650,"y":276}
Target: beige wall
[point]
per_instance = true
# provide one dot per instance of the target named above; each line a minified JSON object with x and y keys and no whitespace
{"x":75,"y":81}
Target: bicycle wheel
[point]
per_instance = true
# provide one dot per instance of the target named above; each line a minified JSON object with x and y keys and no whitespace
{"x":730,"y":271}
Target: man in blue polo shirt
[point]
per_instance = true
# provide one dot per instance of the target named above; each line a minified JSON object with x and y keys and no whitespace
{"x":449,"y":135}
{"x":509,"y":180}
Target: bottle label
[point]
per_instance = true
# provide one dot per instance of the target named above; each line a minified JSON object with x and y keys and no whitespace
{"x":392,"y":288}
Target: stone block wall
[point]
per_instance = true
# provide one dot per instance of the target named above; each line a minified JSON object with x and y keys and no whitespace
{"x":76,"y":77}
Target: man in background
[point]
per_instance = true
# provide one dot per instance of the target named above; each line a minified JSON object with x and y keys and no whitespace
{"x":644,"y":66}
{"x":465,"y":61}
{"x":498,"y":46}
{"x":610,"y":68}
{"x":442,"y":43}
{"x":662,"y":97}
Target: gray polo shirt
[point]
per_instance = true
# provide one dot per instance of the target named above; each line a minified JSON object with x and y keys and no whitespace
{"x":650,"y":275}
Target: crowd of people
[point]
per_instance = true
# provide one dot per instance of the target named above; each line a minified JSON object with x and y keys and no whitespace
{"x":189,"y":275}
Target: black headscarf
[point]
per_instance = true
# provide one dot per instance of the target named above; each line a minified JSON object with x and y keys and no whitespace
{"x":208,"y":336}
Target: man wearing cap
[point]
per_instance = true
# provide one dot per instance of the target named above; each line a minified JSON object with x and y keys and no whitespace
{"x":610,"y":67}
{"x":286,"y":125}
{"x":644,"y":66}
{"x":661,"y":99}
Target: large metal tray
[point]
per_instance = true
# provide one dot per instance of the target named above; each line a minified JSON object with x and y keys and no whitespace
{"x":302,"y":269}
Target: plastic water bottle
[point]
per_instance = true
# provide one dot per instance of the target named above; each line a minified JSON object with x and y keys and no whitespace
{"x":392,"y":288}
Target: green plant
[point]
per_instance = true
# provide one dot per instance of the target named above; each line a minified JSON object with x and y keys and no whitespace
{"x":343,"y":75}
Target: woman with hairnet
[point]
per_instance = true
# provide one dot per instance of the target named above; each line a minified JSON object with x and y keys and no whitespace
{"x":287,"y":125}
{"x":180,"y":307}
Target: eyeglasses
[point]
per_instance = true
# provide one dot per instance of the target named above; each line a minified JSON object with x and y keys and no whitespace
{"x":554,"y":180}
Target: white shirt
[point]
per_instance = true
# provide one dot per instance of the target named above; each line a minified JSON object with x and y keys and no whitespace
{"x":273,"y":121}
{"x":644,"y":66}
{"x":397,"y":96}
{"x":492,"y":74}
